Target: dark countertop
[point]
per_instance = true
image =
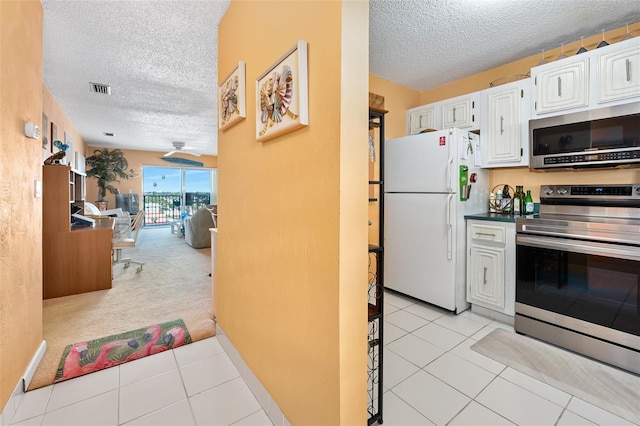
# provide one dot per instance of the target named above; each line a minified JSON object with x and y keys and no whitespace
{"x":493,"y":217}
{"x":498,"y":217}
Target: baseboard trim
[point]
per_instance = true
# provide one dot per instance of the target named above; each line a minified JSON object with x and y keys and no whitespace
{"x":10,"y":408}
{"x":33,"y":365}
{"x":268,"y":404}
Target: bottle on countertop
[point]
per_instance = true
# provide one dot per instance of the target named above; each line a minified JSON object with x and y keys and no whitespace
{"x":507,"y":206}
{"x":499,"y":200}
{"x":492,"y":202}
{"x":518,"y":200}
{"x":528,"y":203}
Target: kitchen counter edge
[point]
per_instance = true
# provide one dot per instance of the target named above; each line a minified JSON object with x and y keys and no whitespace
{"x":495,"y":217}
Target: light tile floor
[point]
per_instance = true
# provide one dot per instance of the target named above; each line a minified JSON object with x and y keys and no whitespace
{"x":196,"y":384}
{"x":431,"y":376}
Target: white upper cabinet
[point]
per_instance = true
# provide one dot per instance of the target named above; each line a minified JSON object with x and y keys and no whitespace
{"x":459,"y":112}
{"x":600,"y":77}
{"x":561,"y":85}
{"x":504,"y":125}
{"x":619,"y":71}
{"x":421,"y":118}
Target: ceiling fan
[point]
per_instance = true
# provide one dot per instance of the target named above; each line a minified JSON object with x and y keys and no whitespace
{"x":179,"y":147}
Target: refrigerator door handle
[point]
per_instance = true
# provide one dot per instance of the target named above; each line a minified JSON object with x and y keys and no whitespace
{"x":449,"y":228}
{"x":450,"y":161}
{"x":449,"y":167}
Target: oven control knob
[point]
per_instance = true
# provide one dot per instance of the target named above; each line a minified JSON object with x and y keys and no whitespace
{"x":548,"y":191}
{"x":562,"y":191}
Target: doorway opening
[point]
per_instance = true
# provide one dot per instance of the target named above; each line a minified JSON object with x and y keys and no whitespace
{"x":176,"y":192}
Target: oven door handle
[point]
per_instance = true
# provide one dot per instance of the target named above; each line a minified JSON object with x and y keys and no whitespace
{"x":580,"y":246}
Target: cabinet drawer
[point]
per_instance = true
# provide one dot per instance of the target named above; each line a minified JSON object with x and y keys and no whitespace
{"x":495,"y":234}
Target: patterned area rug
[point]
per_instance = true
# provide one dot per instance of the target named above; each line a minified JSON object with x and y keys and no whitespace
{"x":604,"y":386}
{"x":86,"y":357}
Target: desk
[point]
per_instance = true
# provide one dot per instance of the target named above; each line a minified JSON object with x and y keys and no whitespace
{"x":176,"y":226}
{"x":77,"y":260}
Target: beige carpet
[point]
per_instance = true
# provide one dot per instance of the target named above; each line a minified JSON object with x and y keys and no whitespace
{"x":592,"y":381}
{"x":174,"y":284}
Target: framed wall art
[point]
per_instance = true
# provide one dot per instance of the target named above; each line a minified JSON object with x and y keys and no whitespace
{"x":232,"y":105}
{"x":69,"y":147}
{"x":54,"y":137}
{"x":45,"y":132}
{"x":282,"y":102}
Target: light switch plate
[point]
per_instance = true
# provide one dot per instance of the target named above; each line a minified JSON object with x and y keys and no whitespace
{"x":31,"y":130}
{"x":37,"y":188}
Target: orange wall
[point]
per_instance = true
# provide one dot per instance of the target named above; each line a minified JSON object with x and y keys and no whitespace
{"x":291,"y":268}
{"x":136,"y":160}
{"x":20,"y":212}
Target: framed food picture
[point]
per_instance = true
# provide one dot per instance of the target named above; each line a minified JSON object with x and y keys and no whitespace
{"x":282,"y":103}
{"x":232,"y":105}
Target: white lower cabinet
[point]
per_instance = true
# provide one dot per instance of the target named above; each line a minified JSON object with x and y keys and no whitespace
{"x":491,"y":265}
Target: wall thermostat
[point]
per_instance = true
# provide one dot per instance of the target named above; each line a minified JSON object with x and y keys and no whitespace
{"x":31,"y":130}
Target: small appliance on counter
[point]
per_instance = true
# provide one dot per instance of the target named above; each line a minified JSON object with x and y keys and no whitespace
{"x":431,"y":183}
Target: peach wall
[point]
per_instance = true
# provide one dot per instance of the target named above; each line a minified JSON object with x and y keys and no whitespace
{"x":20,"y":211}
{"x":136,"y":160}
{"x":397,"y":99}
{"x":283,"y":294}
{"x":56,"y":115}
{"x":353,"y":259}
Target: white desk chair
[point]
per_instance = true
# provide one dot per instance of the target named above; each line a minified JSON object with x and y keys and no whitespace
{"x":128,"y":242}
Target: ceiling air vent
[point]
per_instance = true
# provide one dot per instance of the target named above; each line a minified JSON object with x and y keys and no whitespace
{"x":103,"y":89}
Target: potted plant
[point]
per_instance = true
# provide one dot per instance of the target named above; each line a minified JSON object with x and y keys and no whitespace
{"x":107,"y":166}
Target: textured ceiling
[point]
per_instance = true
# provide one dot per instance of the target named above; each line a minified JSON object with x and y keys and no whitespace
{"x":160,"y":59}
{"x":423,"y":44}
{"x":160,"y":56}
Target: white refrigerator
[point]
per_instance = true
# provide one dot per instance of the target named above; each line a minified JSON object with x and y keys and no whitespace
{"x":424,"y":225}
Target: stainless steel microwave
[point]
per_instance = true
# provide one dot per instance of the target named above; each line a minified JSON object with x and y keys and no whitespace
{"x":604,"y":137}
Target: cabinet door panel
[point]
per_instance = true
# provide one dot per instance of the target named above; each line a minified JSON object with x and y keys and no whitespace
{"x":486,"y":283}
{"x":458,"y":114}
{"x":619,"y":74}
{"x":563,"y":87}
{"x":504,"y":127}
{"x":422,"y":119}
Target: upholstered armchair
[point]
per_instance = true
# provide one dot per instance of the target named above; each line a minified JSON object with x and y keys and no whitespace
{"x":196,"y":228}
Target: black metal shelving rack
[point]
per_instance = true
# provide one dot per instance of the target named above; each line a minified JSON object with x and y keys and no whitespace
{"x":376,"y":285}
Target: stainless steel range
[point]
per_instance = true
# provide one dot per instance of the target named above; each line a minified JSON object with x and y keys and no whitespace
{"x":578,"y":271}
